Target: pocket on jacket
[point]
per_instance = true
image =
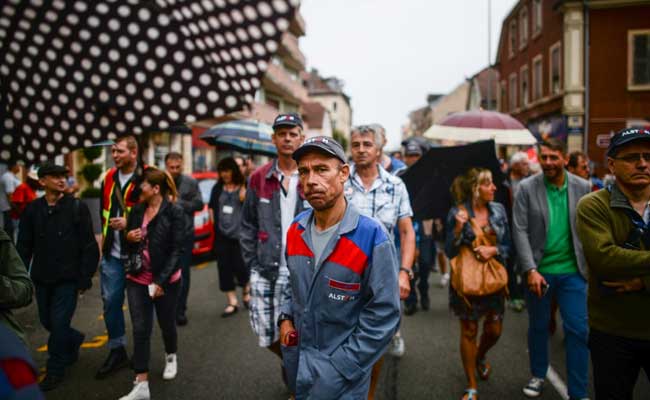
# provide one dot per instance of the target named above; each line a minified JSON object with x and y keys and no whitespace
{"x":290,"y":359}
{"x":328,"y":383}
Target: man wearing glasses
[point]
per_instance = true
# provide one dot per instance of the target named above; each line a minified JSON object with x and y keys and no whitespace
{"x":550,"y":254}
{"x":613,"y":225}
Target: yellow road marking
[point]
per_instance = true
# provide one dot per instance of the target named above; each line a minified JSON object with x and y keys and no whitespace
{"x":202,"y":265}
{"x":98,"y":341}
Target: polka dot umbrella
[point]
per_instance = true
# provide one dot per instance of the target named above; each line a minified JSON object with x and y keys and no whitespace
{"x":73,"y":73}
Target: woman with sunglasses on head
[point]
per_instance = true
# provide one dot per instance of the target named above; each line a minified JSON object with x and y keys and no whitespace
{"x":476,"y":209}
{"x":226,"y":202}
{"x":154,"y":234}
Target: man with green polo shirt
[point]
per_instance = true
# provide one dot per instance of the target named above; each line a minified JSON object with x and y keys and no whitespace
{"x":550,"y":253}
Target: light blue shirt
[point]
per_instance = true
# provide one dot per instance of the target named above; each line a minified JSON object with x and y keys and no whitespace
{"x":387,"y":200}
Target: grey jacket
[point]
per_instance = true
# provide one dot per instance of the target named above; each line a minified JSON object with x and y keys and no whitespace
{"x":530,"y":220}
{"x":189,"y":199}
{"x":345,"y":308}
{"x":261,"y":223}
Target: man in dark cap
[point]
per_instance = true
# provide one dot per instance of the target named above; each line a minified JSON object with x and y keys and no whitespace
{"x":56,"y":237}
{"x":614,"y":227}
{"x":342,"y":307}
{"x":273,"y":199}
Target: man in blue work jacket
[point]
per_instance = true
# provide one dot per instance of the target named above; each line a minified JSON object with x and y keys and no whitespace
{"x":341,"y":308}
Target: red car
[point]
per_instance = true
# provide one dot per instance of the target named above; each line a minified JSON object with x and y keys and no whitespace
{"x":203,"y":228}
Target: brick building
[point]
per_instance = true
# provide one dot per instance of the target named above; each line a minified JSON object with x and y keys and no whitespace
{"x":556,"y":88}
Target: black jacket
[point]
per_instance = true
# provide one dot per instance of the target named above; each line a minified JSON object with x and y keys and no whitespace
{"x":165,"y":234}
{"x":59,"y":242}
{"x":189,"y":199}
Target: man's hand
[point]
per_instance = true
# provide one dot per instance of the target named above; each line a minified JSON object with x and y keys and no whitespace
{"x":286,"y":327}
{"x":633,"y":285}
{"x":535,"y":282}
{"x":134,"y":235}
{"x":484,"y":253}
{"x":404,"y":285}
{"x":117,"y":224}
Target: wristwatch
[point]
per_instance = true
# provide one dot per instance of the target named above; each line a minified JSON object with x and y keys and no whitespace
{"x":284,"y":317}
{"x":409,"y":272}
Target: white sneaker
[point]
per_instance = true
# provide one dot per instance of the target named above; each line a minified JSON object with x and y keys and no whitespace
{"x":140,"y":392}
{"x":397,"y":347}
{"x":534,"y":387}
{"x":171,"y":367}
{"x":444,"y":280}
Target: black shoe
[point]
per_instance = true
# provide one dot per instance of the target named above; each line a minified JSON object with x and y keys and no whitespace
{"x":410,"y":309}
{"x":426,"y":304}
{"x":181,"y":320}
{"x":50,"y":382}
{"x":74,"y":357}
{"x":230,"y":310}
{"x":117,"y":359}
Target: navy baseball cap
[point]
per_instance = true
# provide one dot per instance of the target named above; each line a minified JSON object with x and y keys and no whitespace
{"x":412,"y":149}
{"x":49,"y":168}
{"x":625,"y":136}
{"x":323,"y":144}
{"x":289,"y":119}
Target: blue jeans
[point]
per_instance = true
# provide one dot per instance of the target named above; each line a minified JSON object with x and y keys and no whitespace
{"x":56,"y":306}
{"x":570,"y":290}
{"x":113,"y":283}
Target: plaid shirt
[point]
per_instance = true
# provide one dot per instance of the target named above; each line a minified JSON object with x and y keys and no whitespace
{"x":387,"y":200}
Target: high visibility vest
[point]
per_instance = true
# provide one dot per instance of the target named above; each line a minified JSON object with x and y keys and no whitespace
{"x":109,"y":187}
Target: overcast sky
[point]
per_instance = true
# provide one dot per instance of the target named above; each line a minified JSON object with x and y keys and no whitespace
{"x":391,"y":54}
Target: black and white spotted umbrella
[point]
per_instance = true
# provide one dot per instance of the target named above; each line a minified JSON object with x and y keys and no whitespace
{"x":73,"y":73}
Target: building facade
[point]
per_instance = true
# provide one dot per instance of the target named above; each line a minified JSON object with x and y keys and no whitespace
{"x":576,"y":70}
{"x":329,"y":93}
{"x":619,"y":71}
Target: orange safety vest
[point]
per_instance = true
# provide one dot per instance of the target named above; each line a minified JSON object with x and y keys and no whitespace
{"x":109,"y":187}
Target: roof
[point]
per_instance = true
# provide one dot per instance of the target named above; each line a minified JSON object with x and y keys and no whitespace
{"x":482,"y":79}
{"x":317,"y":85}
{"x":313,"y":114}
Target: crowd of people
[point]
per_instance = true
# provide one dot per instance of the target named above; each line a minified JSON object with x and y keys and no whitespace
{"x":325,"y":248}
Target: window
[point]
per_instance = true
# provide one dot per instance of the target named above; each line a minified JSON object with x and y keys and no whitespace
{"x":555,"y":69}
{"x":639,"y":60}
{"x":512,"y":98}
{"x":334,"y":106}
{"x":537,"y":17}
{"x":538,"y":77}
{"x":523,"y":28}
{"x":274,"y":101}
{"x":513,"y":38}
{"x":525,"y":89}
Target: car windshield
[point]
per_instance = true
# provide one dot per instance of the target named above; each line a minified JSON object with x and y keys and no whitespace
{"x":205,"y":186}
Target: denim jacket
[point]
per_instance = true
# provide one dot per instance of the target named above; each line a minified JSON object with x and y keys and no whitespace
{"x":498,"y":221}
{"x":345,"y":308}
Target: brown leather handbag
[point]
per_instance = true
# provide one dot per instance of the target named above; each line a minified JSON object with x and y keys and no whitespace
{"x":471,"y":277}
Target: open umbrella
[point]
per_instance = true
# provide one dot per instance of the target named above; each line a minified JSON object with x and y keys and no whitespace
{"x":246,"y":136}
{"x":476,"y":125}
{"x":73,"y":73}
{"x":429,"y":179}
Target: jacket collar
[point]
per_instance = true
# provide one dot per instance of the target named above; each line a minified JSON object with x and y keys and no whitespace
{"x":617,"y":199}
{"x":383,"y":178}
{"x":273,"y":172}
{"x":348,"y":223}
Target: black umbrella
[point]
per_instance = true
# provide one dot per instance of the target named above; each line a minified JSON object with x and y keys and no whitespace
{"x":428,"y":180}
{"x":73,"y":73}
